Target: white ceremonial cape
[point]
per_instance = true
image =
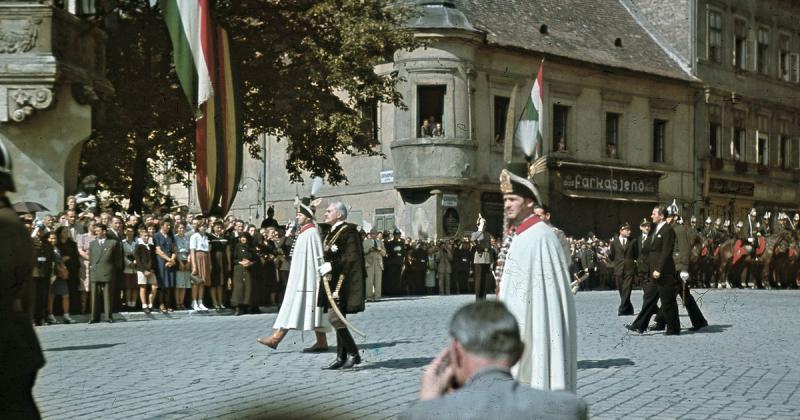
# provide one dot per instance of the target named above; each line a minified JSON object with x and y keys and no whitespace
{"x":535,"y":287}
{"x":299,"y":310}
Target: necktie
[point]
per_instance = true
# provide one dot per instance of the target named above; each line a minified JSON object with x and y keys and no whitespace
{"x":623,"y":242}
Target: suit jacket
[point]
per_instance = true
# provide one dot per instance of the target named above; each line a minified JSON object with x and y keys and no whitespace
{"x":493,"y":394}
{"x":662,"y":243}
{"x":104,"y":261}
{"x":343,"y":248}
{"x":682,"y":254}
{"x":622,"y":257}
{"x":641,"y":251}
{"x":373,"y":252}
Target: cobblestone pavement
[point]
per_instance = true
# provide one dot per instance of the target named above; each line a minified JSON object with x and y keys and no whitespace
{"x":745,"y":365}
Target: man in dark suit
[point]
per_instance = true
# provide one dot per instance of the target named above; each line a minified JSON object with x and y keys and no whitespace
{"x":661,"y":269}
{"x":621,"y":255}
{"x":682,"y":257}
{"x":344,"y":262}
{"x":462,"y":261}
{"x":20,"y":354}
{"x":393,"y":269}
{"x":472,"y":379}
{"x":104,"y":262}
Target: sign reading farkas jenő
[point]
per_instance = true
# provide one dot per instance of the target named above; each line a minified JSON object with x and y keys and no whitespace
{"x":616,"y":182}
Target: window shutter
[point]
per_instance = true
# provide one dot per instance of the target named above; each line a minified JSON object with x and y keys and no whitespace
{"x":794,"y":67}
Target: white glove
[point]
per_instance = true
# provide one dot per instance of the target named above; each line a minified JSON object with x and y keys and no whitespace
{"x":324,"y":269}
{"x":750,"y":240}
{"x":336,"y":295}
{"x":684,"y":276}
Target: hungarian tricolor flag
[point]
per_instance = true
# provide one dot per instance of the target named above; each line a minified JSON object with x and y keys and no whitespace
{"x":529,"y":129}
{"x":205,"y":70}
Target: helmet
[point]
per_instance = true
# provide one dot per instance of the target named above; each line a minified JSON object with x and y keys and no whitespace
{"x":673,"y":209}
{"x":708,"y":220}
{"x":693,"y":219}
{"x":753,"y":212}
{"x":739,"y":224}
{"x":767,"y":215}
{"x":727,"y":223}
{"x":6,"y":170}
{"x":718,"y":221}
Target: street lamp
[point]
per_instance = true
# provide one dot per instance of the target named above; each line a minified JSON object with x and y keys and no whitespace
{"x":243,"y":186}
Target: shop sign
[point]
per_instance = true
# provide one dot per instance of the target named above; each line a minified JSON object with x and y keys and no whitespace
{"x":614,"y":182}
{"x":729,"y":187}
{"x":449,"y":200}
{"x":387,"y":177}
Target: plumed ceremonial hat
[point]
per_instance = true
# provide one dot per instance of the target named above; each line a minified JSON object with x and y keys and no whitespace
{"x":511,"y":183}
{"x":306,"y":205}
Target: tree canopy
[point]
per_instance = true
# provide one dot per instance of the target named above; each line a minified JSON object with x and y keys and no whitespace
{"x":295,"y":60}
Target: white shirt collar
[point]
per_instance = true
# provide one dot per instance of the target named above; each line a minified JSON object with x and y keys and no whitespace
{"x":660,"y":224}
{"x":337,"y":224}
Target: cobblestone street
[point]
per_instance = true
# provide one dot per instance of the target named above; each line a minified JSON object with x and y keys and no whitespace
{"x":745,"y":365}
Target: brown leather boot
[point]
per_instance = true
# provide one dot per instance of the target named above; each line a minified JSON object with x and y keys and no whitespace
{"x":273,"y":341}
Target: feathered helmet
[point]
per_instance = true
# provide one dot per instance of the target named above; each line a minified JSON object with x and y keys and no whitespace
{"x":511,"y":183}
{"x":727,"y":223}
{"x":767,"y":215}
{"x":708,"y":220}
{"x":740,"y":224}
{"x":753,"y":212}
{"x":693,"y":219}
{"x":308,"y":205}
{"x":783,"y":216}
{"x":673,"y":209}
{"x":718,"y":222}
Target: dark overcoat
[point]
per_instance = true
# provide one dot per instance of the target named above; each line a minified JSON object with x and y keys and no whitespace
{"x":343,"y":248}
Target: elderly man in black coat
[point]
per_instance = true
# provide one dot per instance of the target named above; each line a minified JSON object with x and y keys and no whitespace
{"x":345,"y":273}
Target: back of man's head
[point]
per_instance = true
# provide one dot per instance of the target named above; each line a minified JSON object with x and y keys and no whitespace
{"x":487,"y":329}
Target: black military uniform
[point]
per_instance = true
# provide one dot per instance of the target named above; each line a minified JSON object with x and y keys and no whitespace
{"x":20,"y":354}
{"x":462,"y":262}
{"x":393,"y":268}
{"x":343,"y":249}
{"x":622,"y":255}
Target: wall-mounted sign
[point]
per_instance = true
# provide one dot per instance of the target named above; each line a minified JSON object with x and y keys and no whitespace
{"x":387,"y":177}
{"x":450,"y":222}
{"x":449,"y":200}
{"x":726,"y":186}
{"x":609,"y":181}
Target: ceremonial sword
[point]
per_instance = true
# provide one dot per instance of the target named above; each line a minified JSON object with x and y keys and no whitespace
{"x":332,"y":302}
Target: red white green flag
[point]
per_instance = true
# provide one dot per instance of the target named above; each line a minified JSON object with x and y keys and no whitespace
{"x":529,"y":129}
{"x":189,"y":25}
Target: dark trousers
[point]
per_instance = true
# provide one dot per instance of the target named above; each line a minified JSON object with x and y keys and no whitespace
{"x":459,"y":281}
{"x":695,"y":315}
{"x":391,"y":279}
{"x":668,"y":291}
{"x":16,"y":397}
{"x":482,"y":280}
{"x":345,"y":344}
{"x":41,"y":291}
{"x":649,"y":304}
{"x":106,"y":290}
{"x":624,"y":286}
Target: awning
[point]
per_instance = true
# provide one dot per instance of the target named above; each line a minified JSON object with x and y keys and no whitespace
{"x":597,"y":196}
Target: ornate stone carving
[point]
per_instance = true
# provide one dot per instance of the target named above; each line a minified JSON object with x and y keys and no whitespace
{"x":18,"y":35}
{"x":20,"y":102}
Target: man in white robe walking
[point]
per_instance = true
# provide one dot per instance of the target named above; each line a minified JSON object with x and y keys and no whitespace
{"x":299,"y":310}
{"x":535,"y":286}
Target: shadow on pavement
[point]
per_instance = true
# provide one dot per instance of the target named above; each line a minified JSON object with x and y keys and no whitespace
{"x":709,"y":329}
{"x":84,"y":347}
{"x":382,"y":345}
{"x":604,"y":364}
{"x":405,"y":363}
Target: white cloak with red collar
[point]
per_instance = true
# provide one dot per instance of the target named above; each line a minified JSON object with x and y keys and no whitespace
{"x":535,"y":287}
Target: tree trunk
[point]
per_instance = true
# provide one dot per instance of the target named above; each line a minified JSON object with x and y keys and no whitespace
{"x":138,"y":181}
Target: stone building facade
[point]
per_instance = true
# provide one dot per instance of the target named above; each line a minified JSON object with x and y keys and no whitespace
{"x":618,"y":122}
{"x":52,"y":70}
{"x":747,"y":120}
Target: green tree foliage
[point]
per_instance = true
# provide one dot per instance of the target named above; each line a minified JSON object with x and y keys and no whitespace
{"x":295,"y":59}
